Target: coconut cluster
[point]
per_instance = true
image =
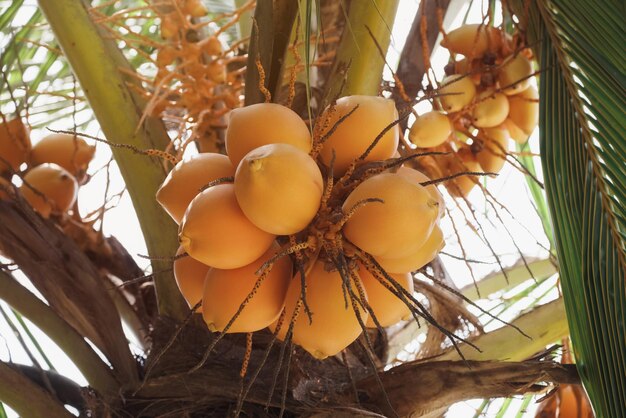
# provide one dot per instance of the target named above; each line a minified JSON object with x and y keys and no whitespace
{"x":56,"y":166}
{"x":192,"y":80}
{"x":485,"y":100}
{"x":311,"y":235}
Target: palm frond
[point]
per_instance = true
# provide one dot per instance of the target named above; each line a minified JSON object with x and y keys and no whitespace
{"x":583,"y":152}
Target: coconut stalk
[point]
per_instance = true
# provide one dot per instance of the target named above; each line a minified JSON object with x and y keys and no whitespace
{"x":271,"y":31}
{"x":358,"y":66}
{"x":98,"y":65}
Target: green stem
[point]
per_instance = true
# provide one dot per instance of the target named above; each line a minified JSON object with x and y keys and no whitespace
{"x":245,"y":21}
{"x":545,"y":325}
{"x":73,"y":344}
{"x":28,"y":399}
{"x":358,"y":60}
{"x":522,"y":409}
{"x":97,"y":62}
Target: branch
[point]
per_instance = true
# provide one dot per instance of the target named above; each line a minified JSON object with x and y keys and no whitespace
{"x":96,"y":61}
{"x":68,"y":281}
{"x":415,"y":389}
{"x":411,"y":67}
{"x":545,"y":324}
{"x":27,"y":398}
{"x":65,"y":390}
{"x":73,"y":344}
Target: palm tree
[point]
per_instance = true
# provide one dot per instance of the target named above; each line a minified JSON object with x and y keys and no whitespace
{"x":102,"y":60}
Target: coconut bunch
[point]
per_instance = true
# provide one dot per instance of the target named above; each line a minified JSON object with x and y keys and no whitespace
{"x":313,"y":236}
{"x":193,"y":85}
{"x":485,"y":100}
{"x":55,"y":167}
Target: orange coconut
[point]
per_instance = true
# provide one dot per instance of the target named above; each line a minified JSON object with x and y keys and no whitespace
{"x":185,"y":180}
{"x":70,"y":152}
{"x":334,"y":324}
{"x":14,"y":144}
{"x":456,"y":92}
{"x":387,"y":307}
{"x":418,"y":177}
{"x":189,"y":274}
{"x":226,"y":290}
{"x":430,"y":129}
{"x":215,"y":231}
{"x":194,"y":8}
{"x":58,"y":187}
{"x":473,"y":40}
{"x":463,"y":161}
{"x":279,"y":188}
{"x":417,"y":259}
{"x":495,"y":143}
{"x":357,"y":132}
{"x":569,"y":401}
{"x":515,"y":131}
{"x":264,"y":123}
{"x":398,"y":225}
{"x":524,"y":110}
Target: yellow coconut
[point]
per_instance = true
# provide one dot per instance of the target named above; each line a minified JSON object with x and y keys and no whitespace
{"x":226,"y":290}
{"x":524,"y":110}
{"x":495,"y":144}
{"x":400,"y":224}
{"x":514,"y":76}
{"x":72,"y":153}
{"x":15,"y":144}
{"x":491,"y":109}
{"x":264,"y":123}
{"x":417,"y":259}
{"x":473,"y":40}
{"x":190,"y":274}
{"x":430,"y":129}
{"x":456,"y":92}
{"x":185,"y":180}
{"x":358,"y":131}
{"x":387,"y":307}
{"x":334,"y":325}
{"x":56,"y":189}
{"x":215,"y":231}
{"x":279,"y":188}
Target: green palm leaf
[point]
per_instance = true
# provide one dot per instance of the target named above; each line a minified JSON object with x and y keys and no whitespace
{"x":583,"y":152}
